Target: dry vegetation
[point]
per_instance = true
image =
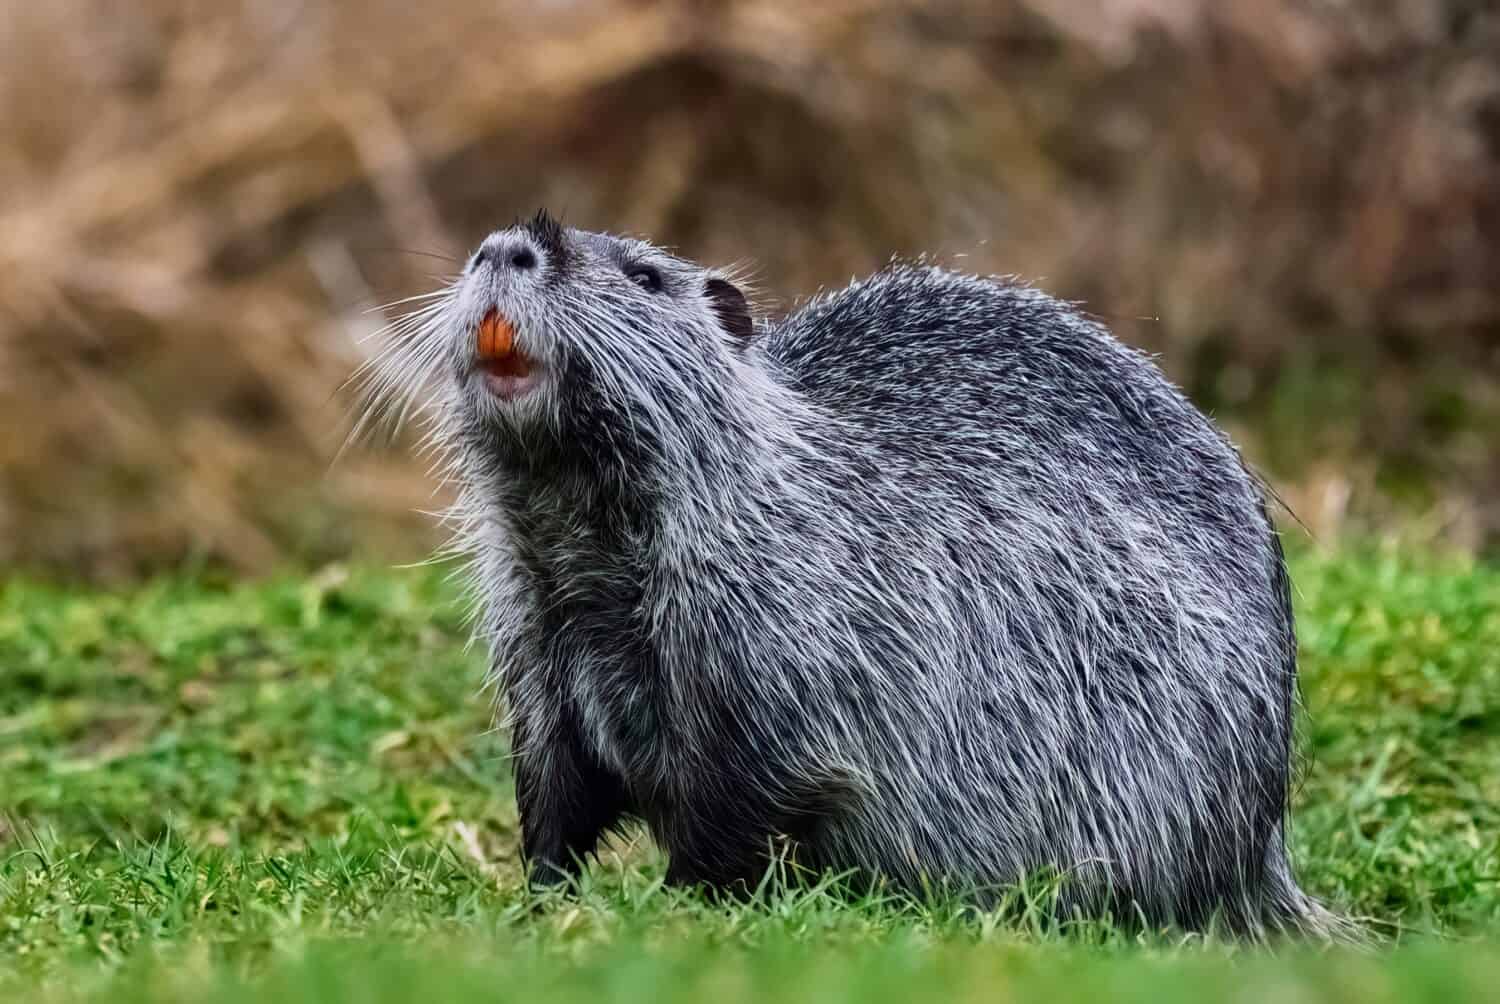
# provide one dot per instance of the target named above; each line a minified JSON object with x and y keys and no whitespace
{"x":199,"y":203}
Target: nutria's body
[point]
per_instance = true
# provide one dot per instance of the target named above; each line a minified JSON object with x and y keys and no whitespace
{"x":933,"y":577}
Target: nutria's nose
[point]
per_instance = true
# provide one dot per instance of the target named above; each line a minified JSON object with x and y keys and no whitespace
{"x":507,"y":252}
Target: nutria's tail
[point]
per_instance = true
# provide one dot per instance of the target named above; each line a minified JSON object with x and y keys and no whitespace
{"x":1287,"y":910}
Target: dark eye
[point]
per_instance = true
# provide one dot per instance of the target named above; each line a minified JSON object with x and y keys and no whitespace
{"x":644,"y":276}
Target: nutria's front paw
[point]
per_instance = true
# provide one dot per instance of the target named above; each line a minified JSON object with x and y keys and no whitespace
{"x":548,"y":876}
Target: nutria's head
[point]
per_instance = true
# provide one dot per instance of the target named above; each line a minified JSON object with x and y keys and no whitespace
{"x":563,"y":342}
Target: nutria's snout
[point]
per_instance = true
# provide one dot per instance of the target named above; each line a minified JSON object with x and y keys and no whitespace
{"x":508,"y":373}
{"x":508,"y":260}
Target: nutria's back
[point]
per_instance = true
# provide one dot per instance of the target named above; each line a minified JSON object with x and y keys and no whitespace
{"x":1102,"y":543}
{"x":932,"y":577}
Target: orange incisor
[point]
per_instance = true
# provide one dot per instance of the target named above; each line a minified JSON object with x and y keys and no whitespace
{"x":495,"y":338}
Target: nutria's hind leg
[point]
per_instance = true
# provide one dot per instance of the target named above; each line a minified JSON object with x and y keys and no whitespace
{"x":723,"y":848}
{"x":729,"y":846}
{"x":566,"y":801}
{"x":733,"y":870}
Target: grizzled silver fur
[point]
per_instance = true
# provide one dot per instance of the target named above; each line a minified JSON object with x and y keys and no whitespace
{"x":933,"y":577}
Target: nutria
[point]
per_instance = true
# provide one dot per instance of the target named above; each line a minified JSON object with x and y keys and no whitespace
{"x":932,"y":580}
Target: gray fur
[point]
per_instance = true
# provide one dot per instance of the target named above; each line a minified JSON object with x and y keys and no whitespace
{"x":933,"y":576}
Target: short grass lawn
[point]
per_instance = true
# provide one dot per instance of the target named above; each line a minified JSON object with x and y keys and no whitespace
{"x":290,"y":790}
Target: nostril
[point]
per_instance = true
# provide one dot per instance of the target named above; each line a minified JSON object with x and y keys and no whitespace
{"x":502,"y":254}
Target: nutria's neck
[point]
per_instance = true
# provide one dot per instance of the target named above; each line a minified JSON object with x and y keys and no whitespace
{"x":620,"y":514}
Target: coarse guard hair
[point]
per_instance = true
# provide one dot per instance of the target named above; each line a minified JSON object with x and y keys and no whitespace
{"x":932,"y":581}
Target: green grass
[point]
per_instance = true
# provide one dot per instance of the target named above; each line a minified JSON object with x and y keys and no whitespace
{"x":289,"y":789}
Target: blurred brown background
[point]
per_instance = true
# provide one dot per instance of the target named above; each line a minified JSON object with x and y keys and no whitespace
{"x":1295,"y":202}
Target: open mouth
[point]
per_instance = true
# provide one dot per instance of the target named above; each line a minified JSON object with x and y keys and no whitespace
{"x":508,"y":372}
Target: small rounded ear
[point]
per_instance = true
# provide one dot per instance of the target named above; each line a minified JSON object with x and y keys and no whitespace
{"x":729,"y":306}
